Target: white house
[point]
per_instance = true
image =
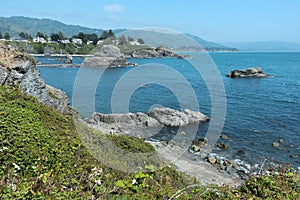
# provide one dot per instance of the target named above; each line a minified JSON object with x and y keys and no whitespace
{"x":89,"y":42}
{"x":39,"y":39}
{"x":76,"y":41}
{"x":65,"y":41}
{"x":100,"y":42}
{"x":134,"y":43}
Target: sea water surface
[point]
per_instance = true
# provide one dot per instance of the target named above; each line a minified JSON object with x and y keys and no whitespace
{"x":259,"y":111}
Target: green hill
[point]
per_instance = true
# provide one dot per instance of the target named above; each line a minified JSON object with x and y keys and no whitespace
{"x":176,"y":41}
{"x":15,"y":25}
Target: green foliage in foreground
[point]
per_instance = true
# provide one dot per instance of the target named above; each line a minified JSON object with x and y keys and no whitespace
{"x":43,"y":157}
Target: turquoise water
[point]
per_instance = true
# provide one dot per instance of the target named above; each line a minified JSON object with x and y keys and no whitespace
{"x":259,"y":111}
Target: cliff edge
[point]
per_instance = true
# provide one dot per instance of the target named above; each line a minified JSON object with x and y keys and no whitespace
{"x":18,"y":69}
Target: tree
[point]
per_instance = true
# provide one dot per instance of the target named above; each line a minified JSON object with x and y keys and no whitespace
{"x":54,"y":37}
{"x":22,"y":35}
{"x":80,"y":35}
{"x":94,"y":38}
{"x":7,"y":36}
{"x":57,"y":37}
{"x":46,"y":37}
{"x":25,"y":36}
{"x":103,"y":35}
{"x":110,"y":34}
{"x":122,"y":40}
{"x":41,"y":35}
{"x":61,"y":36}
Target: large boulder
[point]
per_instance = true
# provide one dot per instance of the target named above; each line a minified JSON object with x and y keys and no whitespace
{"x":175,"y":118}
{"x":97,"y":61}
{"x":248,"y":73}
{"x":109,"y":56}
{"x":109,"y":51}
{"x":17,"y":69}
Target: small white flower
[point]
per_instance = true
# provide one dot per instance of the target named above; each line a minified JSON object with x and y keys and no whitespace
{"x":12,"y":186}
{"x":134,"y":182}
{"x":98,"y":182}
{"x":17,"y":167}
{"x":3,"y":149}
{"x":33,"y":167}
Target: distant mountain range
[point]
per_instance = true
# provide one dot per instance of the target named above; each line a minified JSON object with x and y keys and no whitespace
{"x":176,"y":41}
{"x":15,"y":25}
{"x":266,"y":46}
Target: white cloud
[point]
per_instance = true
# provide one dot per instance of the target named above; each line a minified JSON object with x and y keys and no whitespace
{"x":114,"y":8}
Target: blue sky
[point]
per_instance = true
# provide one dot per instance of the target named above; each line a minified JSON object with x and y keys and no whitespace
{"x":214,"y":20}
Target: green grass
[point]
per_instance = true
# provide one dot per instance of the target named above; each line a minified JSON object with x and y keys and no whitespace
{"x":42,"y":155}
{"x":46,"y":155}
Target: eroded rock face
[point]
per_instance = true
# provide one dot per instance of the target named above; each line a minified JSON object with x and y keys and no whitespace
{"x":248,"y":73}
{"x":17,"y":69}
{"x":109,"y":51}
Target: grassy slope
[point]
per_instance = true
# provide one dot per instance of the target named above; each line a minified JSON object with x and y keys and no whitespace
{"x":42,"y":156}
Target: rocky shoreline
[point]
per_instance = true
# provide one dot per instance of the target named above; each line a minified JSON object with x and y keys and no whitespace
{"x":202,"y":153}
{"x":196,"y":153}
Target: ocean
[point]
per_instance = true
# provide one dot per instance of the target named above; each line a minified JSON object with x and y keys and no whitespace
{"x":258,"y":111}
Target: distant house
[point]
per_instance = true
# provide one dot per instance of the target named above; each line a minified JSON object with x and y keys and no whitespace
{"x":65,"y":41}
{"x":18,"y":40}
{"x":89,"y":42}
{"x":134,"y":43}
{"x":76,"y":41}
{"x":39,"y":39}
{"x":100,"y":42}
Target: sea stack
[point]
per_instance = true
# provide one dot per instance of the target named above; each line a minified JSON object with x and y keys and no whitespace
{"x":248,"y":73}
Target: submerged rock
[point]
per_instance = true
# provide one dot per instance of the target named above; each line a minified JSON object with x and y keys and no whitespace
{"x":223,"y":146}
{"x":248,"y":73}
{"x":275,"y":144}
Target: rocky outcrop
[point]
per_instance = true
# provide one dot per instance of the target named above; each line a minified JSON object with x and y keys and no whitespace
{"x":17,"y":69}
{"x":109,"y":56}
{"x":248,"y":73}
{"x":97,"y":61}
{"x":157,"y":117}
{"x":109,"y":51}
{"x":174,"y":118}
{"x":158,"y":52}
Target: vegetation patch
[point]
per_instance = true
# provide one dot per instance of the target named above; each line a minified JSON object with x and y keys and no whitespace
{"x":43,"y":156}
